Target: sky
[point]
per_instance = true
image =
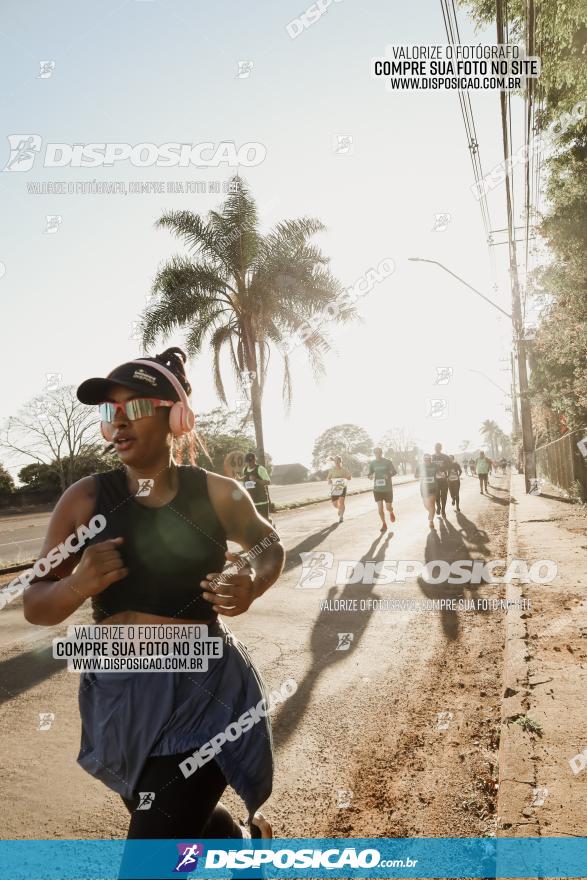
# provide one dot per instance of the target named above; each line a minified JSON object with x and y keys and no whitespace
{"x":159,"y":71}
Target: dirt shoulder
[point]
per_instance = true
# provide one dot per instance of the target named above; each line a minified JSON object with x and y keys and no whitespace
{"x":543,"y":778}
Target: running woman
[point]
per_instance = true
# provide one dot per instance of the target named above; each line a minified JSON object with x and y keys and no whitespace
{"x":256,"y":480}
{"x":465,"y":466}
{"x":382,"y":471}
{"x":337,"y":480}
{"x":428,"y":487}
{"x":484,"y":465}
{"x":158,"y":561}
{"x":472,"y":466}
{"x":454,"y":482}
{"x":442,"y":463}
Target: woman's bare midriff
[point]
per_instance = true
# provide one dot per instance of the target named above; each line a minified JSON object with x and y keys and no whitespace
{"x":131,"y":617}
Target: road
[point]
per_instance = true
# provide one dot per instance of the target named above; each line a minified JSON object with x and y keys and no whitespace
{"x":360,"y":748}
{"x":21,"y":535}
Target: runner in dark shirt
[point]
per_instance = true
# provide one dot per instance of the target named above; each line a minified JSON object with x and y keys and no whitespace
{"x":442,"y":463}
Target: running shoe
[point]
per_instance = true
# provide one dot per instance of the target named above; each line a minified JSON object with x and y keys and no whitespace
{"x":383,"y":528}
{"x":340,"y":519}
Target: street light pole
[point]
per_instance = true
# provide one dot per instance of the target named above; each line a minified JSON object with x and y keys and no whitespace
{"x":518,"y":325}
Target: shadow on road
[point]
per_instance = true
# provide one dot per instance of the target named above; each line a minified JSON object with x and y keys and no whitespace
{"x":448,"y":544}
{"x":324,"y":638}
{"x":293,"y":559}
{"x":24,"y":671}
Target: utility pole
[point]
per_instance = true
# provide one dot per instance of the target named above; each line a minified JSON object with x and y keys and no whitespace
{"x":515,"y":417}
{"x":519,"y":340}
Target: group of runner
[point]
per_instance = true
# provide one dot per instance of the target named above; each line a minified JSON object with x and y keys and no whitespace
{"x":440,"y":476}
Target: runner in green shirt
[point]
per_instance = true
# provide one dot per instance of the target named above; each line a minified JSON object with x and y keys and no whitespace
{"x":256,"y":480}
{"x":382,"y":470}
{"x":484,"y":466}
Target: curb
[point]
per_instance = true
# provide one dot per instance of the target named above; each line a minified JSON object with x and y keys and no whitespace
{"x":515,"y":767}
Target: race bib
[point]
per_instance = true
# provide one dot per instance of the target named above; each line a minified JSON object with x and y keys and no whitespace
{"x":338,"y":486}
{"x":250,"y":484}
{"x":441,"y":475}
{"x":453,"y":477}
{"x":380,"y":482}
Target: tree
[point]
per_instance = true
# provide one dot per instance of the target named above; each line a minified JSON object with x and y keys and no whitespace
{"x":489,"y":430}
{"x":244,"y":293}
{"x":6,"y":482}
{"x":221,"y":433}
{"x":400,"y":446}
{"x":55,"y":430}
{"x":352,"y":443}
{"x":558,"y":354}
{"x":560,"y":32}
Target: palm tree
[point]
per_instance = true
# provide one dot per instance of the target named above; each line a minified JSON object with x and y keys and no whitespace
{"x":244,"y":292}
{"x":489,"y":430}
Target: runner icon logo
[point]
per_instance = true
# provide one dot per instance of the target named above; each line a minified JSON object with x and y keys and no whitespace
{"x":443,"y":720}
{"x":344,"y":641}
{"x":188,"y":857}
{"x":315,"y":565}
{"x":145,"y":487}
{"x":46,"y":719}
{"x":345,"y":797}
{"x":146,"y":799}
{"x":539,"y":795}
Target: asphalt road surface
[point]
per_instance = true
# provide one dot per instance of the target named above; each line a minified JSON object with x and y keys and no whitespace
{"x":394,"y":727}
{"x":21,"y":535}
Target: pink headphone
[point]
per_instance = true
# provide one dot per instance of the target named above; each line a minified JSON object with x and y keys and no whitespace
{"x":181,"y":415}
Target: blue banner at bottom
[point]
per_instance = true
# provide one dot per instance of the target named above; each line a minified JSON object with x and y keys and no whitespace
{"x":530,"y":857}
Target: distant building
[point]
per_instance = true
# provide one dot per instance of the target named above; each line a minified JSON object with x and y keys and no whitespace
{"x":286,"y":474}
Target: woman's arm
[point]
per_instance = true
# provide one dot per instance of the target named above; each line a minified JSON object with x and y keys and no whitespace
{"x":51,"y":599}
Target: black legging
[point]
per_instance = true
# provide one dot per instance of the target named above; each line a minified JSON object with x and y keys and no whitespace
{"x":441,"y":496}
{"x":182,"y":808}
{"x":454,"y":487}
